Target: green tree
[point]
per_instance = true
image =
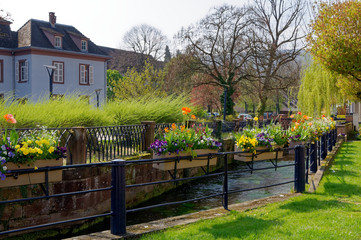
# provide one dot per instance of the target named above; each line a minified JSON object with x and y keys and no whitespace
{"x":335,"y":40}
{"x":318,"y":91}
{"x":148,"y":82}
{"x":113,"y":78}
{"x":167,"y":55}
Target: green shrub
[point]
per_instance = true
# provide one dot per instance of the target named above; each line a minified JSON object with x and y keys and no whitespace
{"x":70,"y":111}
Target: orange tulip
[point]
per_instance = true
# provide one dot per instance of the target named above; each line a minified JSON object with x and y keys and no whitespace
{"x":292,"y":116}
{"x":10,"y":118}
{"x":299,"y":113}
{"x":310,"y":124}
{"x":174,"y":126}
{"x":305,"y":117}
{"x":166,"y":130}
{"x":193,"y":117}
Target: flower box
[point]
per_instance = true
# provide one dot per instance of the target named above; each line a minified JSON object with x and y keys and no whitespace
{"x":33,"y":177}
{"x":185,"y":163}
{"x":247,"y":157}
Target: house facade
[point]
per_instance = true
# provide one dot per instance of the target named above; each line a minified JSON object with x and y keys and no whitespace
{"x":29,"y":56}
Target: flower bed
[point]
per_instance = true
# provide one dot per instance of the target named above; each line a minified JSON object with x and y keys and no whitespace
{"x":302,"y":129}
{"x":25,"y":152}
{"x":184,"y":140}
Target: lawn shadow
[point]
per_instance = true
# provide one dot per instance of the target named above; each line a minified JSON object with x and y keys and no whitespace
{"x":242,"y":224}
{"x":344,"y":189}
{"x":309,"y":205}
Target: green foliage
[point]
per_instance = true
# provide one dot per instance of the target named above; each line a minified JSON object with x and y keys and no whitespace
{"x":69,"y":111}
{"x":113,"y":78}
{"x":147,"y":108}
{"x":336,"y":38}
{"x":138,"y":84}
{"x":318,"y":91}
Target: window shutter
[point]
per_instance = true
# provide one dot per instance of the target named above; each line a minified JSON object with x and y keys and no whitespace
{"x":91,"y":75}
{"x":17,"y":71}
{"x":26,"y":71}
{"x":82,"y":74}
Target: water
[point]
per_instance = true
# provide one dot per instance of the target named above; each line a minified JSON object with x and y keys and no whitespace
{"x":214,"y":185}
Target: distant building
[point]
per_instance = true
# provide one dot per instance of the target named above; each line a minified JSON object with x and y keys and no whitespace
{"x":123,"y":60}
{"x":80,"y":65}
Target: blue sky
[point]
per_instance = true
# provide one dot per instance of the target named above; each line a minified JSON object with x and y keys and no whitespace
{"x":106,"y":21}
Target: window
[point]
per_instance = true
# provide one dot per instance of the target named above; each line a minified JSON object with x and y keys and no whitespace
{"x":21,"y":71}
{"x":84,"y":45}
{"x":58,"y":72}
{"x":1,"y":70}
{"x":84,"y":98}
{"x":57,"y":97}
{"x":58,"y":42}
{"x":86,"y":74}
{"x":22,"y":100}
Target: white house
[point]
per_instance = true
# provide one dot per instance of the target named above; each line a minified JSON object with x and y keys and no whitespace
{"x":79,"y":65}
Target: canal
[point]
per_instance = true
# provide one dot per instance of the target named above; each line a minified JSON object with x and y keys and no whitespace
{"x":213,"y":185}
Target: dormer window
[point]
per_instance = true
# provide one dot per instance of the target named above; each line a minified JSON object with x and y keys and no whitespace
{"x":84,"y":45}
{"x":58,"y":42}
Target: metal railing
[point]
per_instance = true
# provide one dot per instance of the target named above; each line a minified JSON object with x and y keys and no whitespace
{"x":118,"y":186}
{"x":106,"y":143}
{"x":307,"y":158}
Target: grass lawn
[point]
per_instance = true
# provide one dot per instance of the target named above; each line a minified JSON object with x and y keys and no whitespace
{"x":332,"y":212}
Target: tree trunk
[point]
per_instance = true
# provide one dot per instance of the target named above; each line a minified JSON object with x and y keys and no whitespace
{"x":229,"y":101}
{"x":261,"y":106}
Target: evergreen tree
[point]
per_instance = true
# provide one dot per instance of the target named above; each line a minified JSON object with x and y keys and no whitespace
{"x":167,"y":55}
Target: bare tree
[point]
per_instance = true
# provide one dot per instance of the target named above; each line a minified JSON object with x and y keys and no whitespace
{"x":147,"y":40}
{"x":277,"y":41}
{"x":219,"y":47}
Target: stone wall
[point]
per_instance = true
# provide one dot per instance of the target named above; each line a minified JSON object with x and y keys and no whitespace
{"x":19,"y":215}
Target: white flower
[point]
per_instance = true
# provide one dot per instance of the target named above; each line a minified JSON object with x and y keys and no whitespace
{"x":5,"y":168}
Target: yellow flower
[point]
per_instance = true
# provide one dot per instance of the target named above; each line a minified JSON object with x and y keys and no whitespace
{"x":35,"y":168}
{"x":255,"y":118}
{"x":40,"y":151}
{"x":25,"y":151}
{"x":38,"y":142}
{"x":51,"y":149}
{"x":44,"y":141}
{"x":29,"y":142}
{"x":17,"y":146}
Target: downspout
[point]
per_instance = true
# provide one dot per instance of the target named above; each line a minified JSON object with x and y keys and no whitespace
{"x":13,"y":72}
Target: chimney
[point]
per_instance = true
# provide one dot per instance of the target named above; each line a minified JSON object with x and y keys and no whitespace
{"x":52,"y":19}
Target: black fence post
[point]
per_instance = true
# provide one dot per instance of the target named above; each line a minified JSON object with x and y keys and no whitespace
{"x":300,"y":171}
{"x":313,"y":157}
{"x":118,"y":217}
{"x":225,"y":183}
{"x":329,"y":135}
{"x":323,"y":147}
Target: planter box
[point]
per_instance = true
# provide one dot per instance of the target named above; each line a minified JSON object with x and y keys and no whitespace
{"x":185,"y":163}
{"x":247,"y":157}
{"x":33,"y":177}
